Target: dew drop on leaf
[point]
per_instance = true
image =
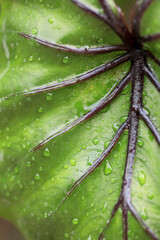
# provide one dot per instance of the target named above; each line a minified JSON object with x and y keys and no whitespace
{"x":125,"y":90}
{"x":140,"y":143}
{"x":123,"y":119}
{"x":51,"y":20}
{"x":31,"y":58}
{"x":75,"y":221}
{"x":95,"y":141}
{"x":150,"y":195}
{"x":142,"y":178}
{"x":34,"y":30}
{"x":84,"y":147}
{"x":144,"y":214}
{"x":40,"y":169}
{"x":40,"y":110}
{"x":49,"y":96}
{"x":88,"y":127}
{"x":113,"y":180}
{"x":108,"y":168}
{"x":37,"y":176}
{"x":47,"y":152}
{"x":73,"y":162}
{"x":23,"y":146}
{"x":106,"y":144}
{"x":28,"y":164}
{"x":16,"y":170}
{"x":65,"y":59}
{"x":104,"y":207}
{"x":65,"y":166}
{"x":115,"y":127}
{"x":66,"y":235}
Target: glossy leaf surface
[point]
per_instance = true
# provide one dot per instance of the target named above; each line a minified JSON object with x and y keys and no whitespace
{"x":33,"y":184}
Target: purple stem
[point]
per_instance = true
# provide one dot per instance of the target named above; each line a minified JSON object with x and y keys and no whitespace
{"x":153,"y":79}
{"x":83,"y":77}
{"x":72,"y":49}
{"x":150,"y":124}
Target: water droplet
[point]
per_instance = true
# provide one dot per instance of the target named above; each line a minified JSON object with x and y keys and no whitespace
{"x":28,"y":164}
{"x":65,"y":166}
{"x":115,"y":126}
{"x":45,"y":215}
{"x":66,"y":235}
{"x":40,"y":110}
{"x":32,"y":182}
{"x":65,"y":59}
{"x":40,"y":169}
{"x":33,"y":159}
{"x":123,"y":106}
{"x":140,"y":143}
{"x":106,"y":144}
{"x":108,"y":168}
{"x":144,"y":214}
{"x":84,"y":146}
{"x":150,"y":195}
{"x":123,"y":119}
{"x":142,"y":178}
{"x":51,"y":20}
{"x":126,"y":89}
{"x":37,"y":176}
{"x":49,"y":96}
{"x":23,"y":146}
{"x":113,"y":180}
{"x":104,"y":207}
{"x":73,"y":162}
{"x":150,"y":135}
{"x":95,"y":141}
{"x":110,"y":191}
{"x":47,"y":153}
{"x":31,"y":58}
{"x":16,"y":170}
{"x":88,"y":127}
{"x":34,"y":30}
{"x":75,"y":221}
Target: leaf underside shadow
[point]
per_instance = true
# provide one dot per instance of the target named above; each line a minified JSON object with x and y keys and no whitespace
{"x":133,"y":45}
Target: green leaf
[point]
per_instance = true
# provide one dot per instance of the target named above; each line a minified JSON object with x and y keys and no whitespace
{"x":34,"y":184}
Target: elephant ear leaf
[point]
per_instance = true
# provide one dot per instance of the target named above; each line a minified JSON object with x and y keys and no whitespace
{"x":79,"y":131}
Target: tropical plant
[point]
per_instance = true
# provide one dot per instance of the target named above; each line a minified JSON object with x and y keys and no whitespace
{"x":80,"y":119}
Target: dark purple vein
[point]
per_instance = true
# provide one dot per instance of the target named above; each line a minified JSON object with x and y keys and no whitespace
{"x":102,"y":104}
{"x":152,"y":78}
{"x":151,"y":55}
{"x":150,"y":124}
{"x":139,"y":10}
{"x":100,"y":159}
{"x":142,"y":223}
{"x":76,"y":50}
{"x":136,"y":103}
{"x":83,"y":77}
{"x":151,"y":38}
